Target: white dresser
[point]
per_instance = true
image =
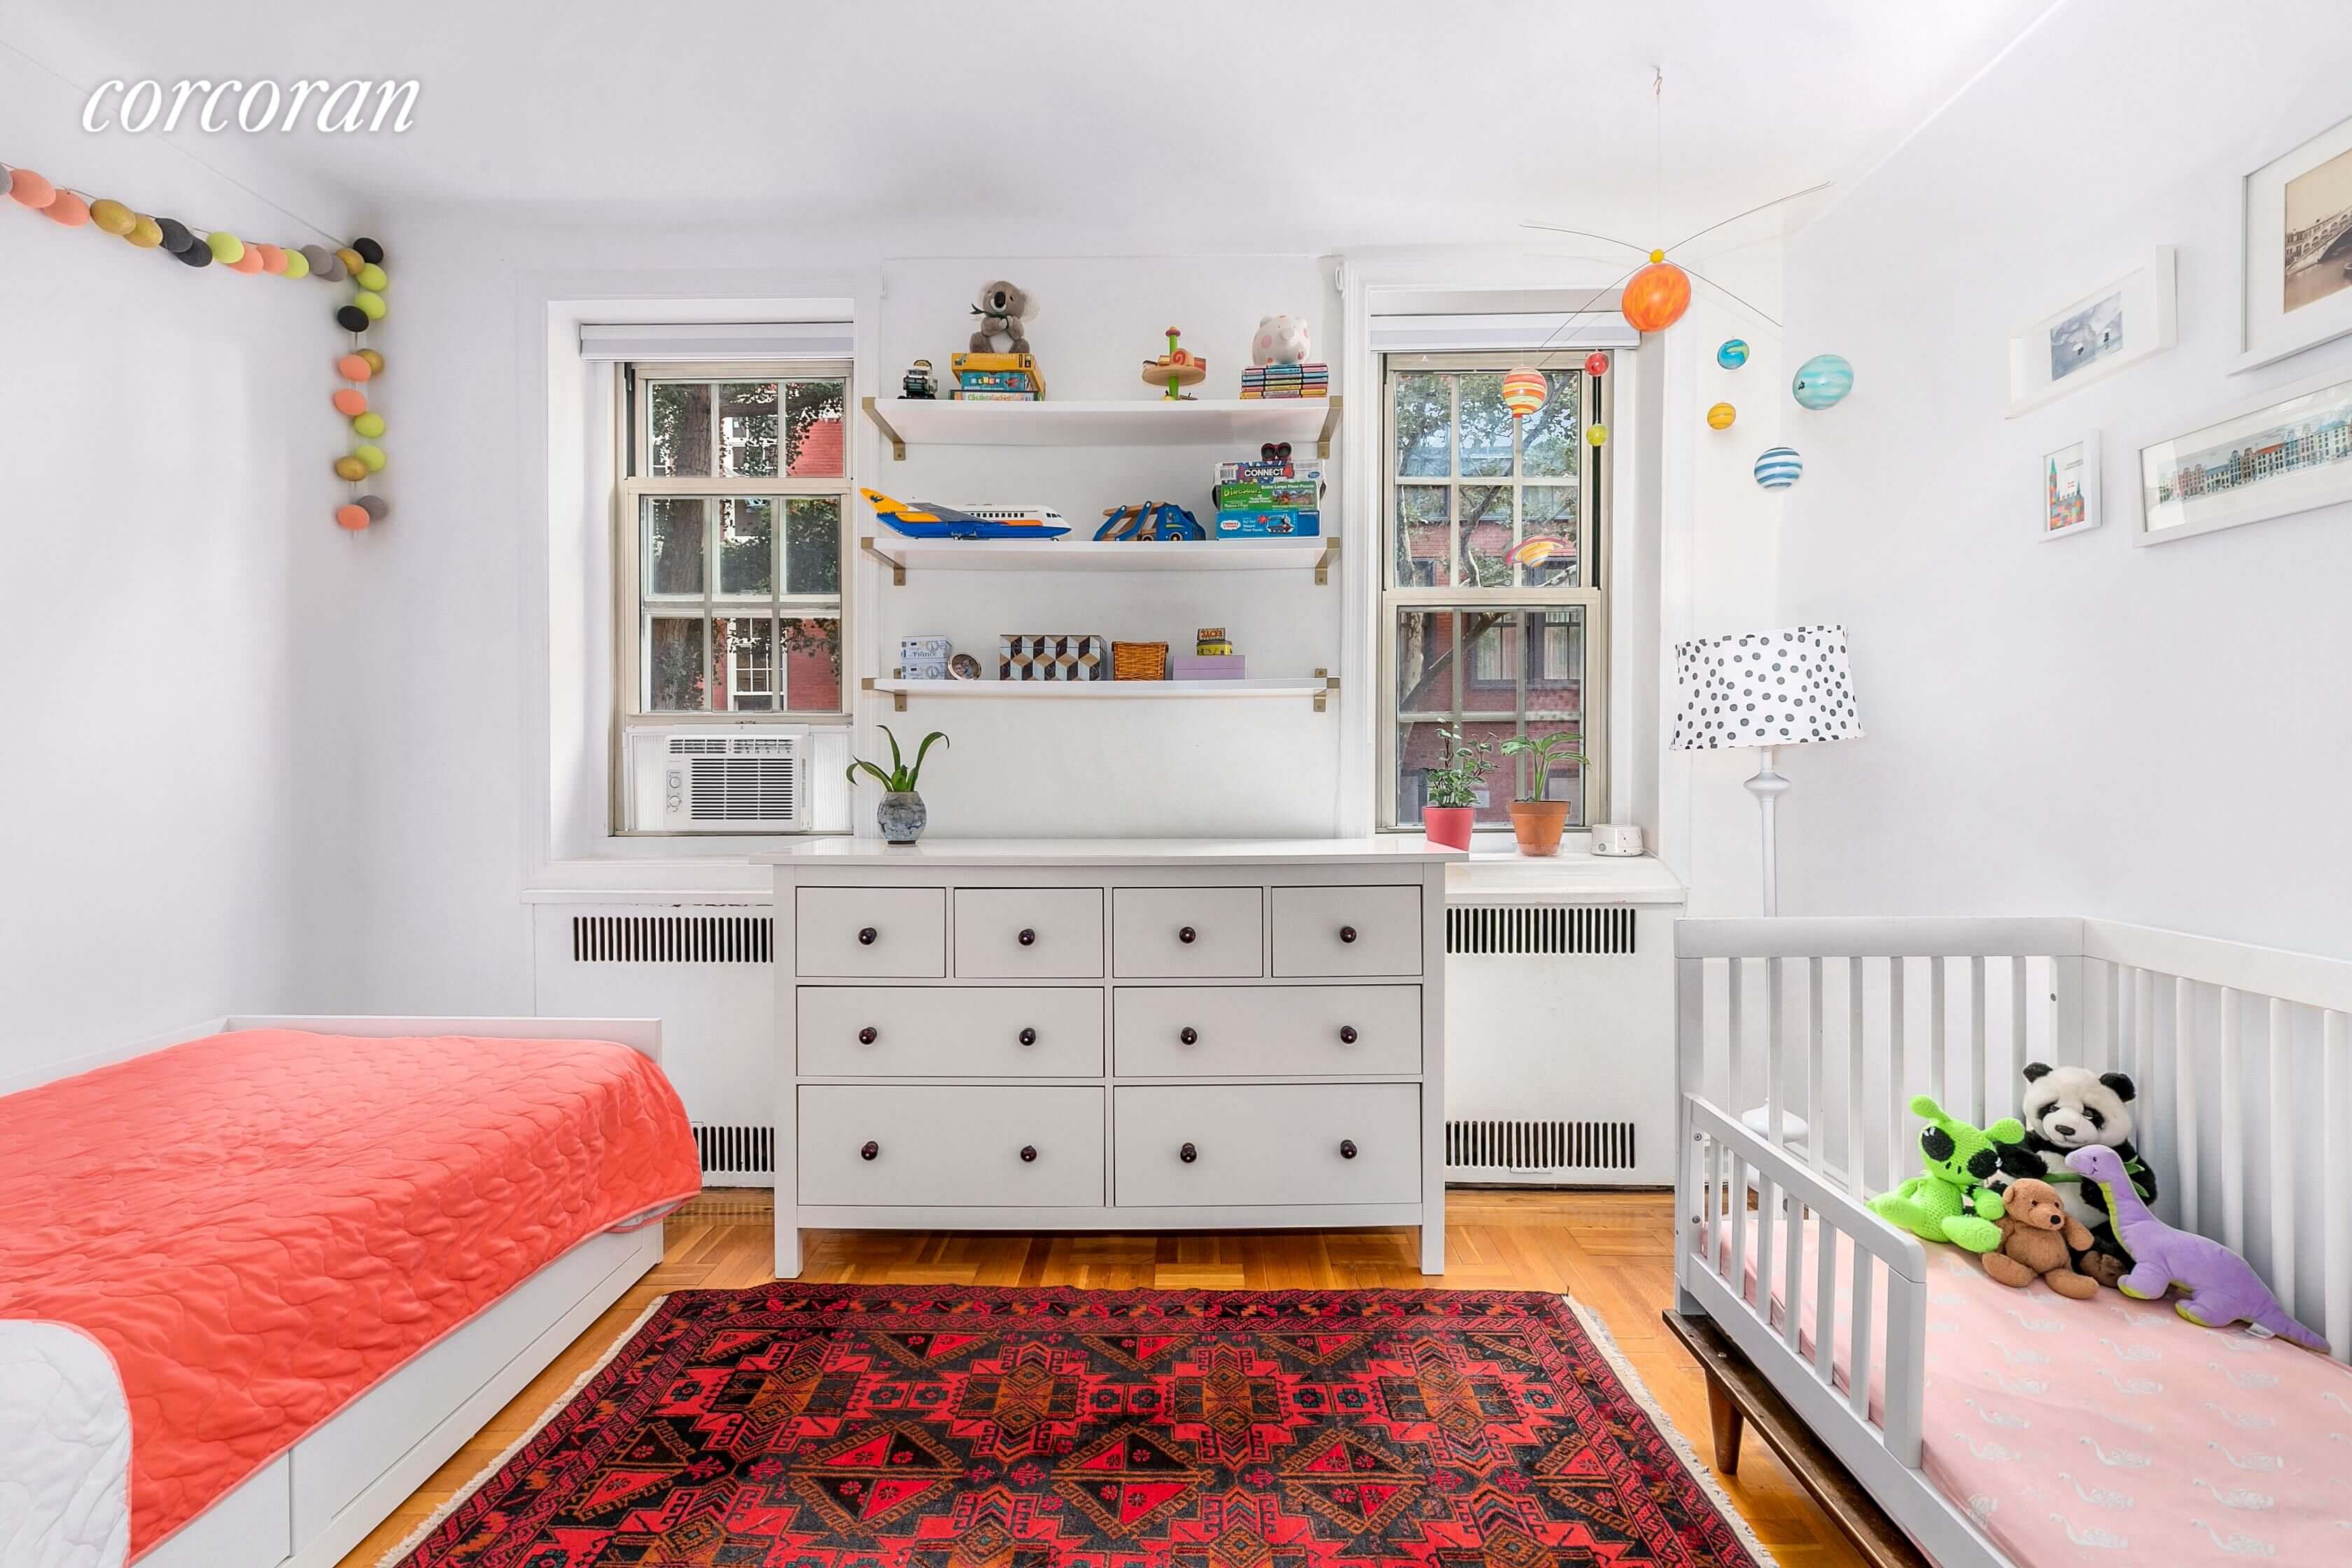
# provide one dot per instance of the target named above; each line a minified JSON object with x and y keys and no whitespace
{"x":1110,"y":1034}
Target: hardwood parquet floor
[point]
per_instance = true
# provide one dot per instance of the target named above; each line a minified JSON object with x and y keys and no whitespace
{"x":1608,"y":1249}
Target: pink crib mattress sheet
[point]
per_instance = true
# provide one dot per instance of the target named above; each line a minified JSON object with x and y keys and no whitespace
{"x":2081,"y":1431}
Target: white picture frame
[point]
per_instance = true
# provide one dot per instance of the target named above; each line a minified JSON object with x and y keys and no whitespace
{"x":2095,"y":334}
{"x":2283,"y":452}
{"x":2070,"y":487}
{"x":2312,"y":181}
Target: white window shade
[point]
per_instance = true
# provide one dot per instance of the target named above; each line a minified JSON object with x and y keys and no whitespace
{"x":687,"y":342}
{"x":1462,"y":333}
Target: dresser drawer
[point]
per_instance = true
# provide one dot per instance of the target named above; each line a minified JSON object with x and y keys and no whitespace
{"x":1029,"y":934}
{"x":934,"y":1031}
{"x":1347,"y":931}
{"x":943,"y":1147}
{"x":1186,"y":933}
{"x":1271,"y":1144}
{"x":1266,"y":1031}
{"x":900,"y":933}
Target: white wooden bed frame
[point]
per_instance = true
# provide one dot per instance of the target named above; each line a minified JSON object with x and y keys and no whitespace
{"x":1787,"y":1029}
{"x":313,"y":1503}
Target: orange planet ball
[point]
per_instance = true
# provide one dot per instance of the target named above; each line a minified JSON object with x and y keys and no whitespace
{"x":68,"y":209}
{"x":353,"y":518}
{"x":351,"y":367}
{"x":31,"y":189}
{"x":273,"y":259}
{"x":351,"y":469}
{"x":350,"y":402}
{"x":1657,"y":296}
{"x":375,"y":360}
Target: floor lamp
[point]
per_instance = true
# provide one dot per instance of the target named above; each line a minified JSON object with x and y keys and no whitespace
{"x":1785,"y":687}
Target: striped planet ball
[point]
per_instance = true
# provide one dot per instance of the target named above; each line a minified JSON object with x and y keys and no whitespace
{"x":1733,"y":353}
{"x":1822,"y":381}
{"x":1524,"y":392}
{"x":1777,"y":467}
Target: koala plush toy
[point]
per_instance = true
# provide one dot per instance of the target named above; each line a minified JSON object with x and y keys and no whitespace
{"x":2066,"y":1109}
{"x":1004,"y":309}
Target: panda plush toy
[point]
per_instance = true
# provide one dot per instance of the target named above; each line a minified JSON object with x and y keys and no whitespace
{"x":2066,"y":1109}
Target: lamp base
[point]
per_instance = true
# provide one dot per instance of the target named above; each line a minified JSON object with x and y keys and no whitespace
{"x":1769,"y":786}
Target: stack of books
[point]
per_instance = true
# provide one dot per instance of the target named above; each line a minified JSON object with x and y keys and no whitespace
{"x":1269,"y":500}
{"x":998,"y":378}
{"x":1286,"y":380}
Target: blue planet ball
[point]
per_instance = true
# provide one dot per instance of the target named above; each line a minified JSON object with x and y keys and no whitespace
{"x":1822,"y":381}
{"x":1733,"y":353}
{"x":1778,"y":467}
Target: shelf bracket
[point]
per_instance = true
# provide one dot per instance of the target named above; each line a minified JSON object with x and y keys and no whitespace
{"x":898,"y":442}
{"x":1322,"y":439}
{"x":1323,"y":562}
{"x":1330,"y":685}
{"x":898,"y":568}
{"x":898,"y":699}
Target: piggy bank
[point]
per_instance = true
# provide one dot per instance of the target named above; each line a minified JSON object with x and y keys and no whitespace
{"x":1280,"y":340}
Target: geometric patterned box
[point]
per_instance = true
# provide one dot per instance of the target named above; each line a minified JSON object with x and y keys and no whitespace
{"x":1052,"y":655}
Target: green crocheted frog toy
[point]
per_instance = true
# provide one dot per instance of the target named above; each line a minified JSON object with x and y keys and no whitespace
{"x":1950,"y":1202}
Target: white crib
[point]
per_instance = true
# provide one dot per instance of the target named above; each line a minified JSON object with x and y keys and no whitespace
{"x":1800,"y":1042}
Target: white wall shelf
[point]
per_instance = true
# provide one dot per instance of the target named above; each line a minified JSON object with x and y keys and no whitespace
{"x":1320,"y":687}
{"x":900,"y":554}
{"x":1127,"y":422}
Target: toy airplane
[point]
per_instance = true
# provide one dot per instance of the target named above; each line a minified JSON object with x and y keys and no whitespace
{"x":930,"y":519}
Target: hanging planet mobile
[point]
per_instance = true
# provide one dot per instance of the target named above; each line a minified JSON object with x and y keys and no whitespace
{"x":1733,"y":353}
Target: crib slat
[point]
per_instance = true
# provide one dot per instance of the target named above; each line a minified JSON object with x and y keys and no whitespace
{"x":2234,"y":1126}
{"x":2020,"y":1050}
{"x":1857,"y":1349}
{"x":1767,"y":1213}
{"x":2281,"y":1135}
{"x":1776,"y":1005}
{"x":1936,"y":1084}
{"x":1816,"y":1127}
{"x":2336,"y":1160}
{"x":1900,"y":1131}
{"x":1856,"y":1148}
{"x":1734,"y":1198}
{"x":2143,"y":1067}
{"x":1792,"y":1317}
{"x":2185,"y":1080}
{"x":1977,"y":1041}
{"x":1734,"y":1066}
{"x":1825,"y":1308}
{"x":1907,"y":1355}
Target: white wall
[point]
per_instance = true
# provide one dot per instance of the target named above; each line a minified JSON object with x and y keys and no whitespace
{"x":176,"y":785}
{"x":2155,"y":735}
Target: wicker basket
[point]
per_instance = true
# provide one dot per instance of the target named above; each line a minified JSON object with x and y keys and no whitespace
{"x":1138,"y":661}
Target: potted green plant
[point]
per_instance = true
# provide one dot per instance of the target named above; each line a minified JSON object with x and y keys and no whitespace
{"x":901,"y":815}
{"x":1536,"y":821}
{"x":1452,"y":787}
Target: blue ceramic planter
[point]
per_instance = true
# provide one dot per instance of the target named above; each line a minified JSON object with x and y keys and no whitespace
{"x":901,"y":817}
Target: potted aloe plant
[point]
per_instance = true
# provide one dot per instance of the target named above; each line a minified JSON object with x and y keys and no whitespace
{"x":1452,"y":787}
{"x":1536,"y":821}
{"x":900,"y":815}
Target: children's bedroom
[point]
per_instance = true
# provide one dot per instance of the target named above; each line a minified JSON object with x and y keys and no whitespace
{"x":1338,"y":785}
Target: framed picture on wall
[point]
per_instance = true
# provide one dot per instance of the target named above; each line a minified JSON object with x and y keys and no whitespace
{"x":2095,"y":334}
{"x":2070,"y":487}
{"x":2266,"y":457}
{"x":2295,"y":279}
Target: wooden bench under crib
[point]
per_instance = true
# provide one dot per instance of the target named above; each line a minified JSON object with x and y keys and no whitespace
{"x":2014,"y":1427}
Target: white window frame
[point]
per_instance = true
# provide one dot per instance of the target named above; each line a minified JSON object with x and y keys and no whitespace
{"x":1588,"y":592}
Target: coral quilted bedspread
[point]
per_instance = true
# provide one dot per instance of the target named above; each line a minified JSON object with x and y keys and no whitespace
{"x":259,"y":1226}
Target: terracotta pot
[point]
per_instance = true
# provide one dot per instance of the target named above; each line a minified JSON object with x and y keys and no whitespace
{"x":1537,"y":825}
{"x":1448,"y":824}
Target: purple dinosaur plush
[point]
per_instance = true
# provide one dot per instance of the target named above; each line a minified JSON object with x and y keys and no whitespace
{"x":2218,"y":1287}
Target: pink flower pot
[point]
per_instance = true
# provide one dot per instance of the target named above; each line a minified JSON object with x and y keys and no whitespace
{"x":1448,"y":824}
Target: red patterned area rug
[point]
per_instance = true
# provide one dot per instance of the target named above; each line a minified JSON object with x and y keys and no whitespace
{"x":936,"y":1426}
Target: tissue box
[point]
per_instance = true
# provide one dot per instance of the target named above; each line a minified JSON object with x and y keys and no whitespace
{"x":1052,"y":655}
{"x":1209,"y":666}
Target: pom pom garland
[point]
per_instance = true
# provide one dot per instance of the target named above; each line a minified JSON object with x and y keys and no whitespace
{"x":351,"y":259}
{"x":368,"y":251}
{"x":68,"y":209}
{"x":350,"y":402}
{"x":351,"y":469}
{"x":353,"y":517}
{"x":273,"y":260}
{"x":371,"y":277}
{"x":353,"y":367}
{"x":176,"y":237}
{"x":368,"y":425}
{"x":146,"y":233}
{"x":371,"y":305}
{"x":370,"y":455}
{"x":112,"y":217}
{"x":198,"y":254}
{"x":30,"y":189}
{"x":351,"y":319}
{"x":225,"y":247}
{"x":248,"y":260}
{"x":377,"y":507}
{"x":297,"y":264}
{"x":375,"y":360}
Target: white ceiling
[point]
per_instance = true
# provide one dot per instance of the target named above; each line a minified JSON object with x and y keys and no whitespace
{"x":1033,"y":126}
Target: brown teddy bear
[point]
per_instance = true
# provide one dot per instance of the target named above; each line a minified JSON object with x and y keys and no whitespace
{"x":2035,"y":1233}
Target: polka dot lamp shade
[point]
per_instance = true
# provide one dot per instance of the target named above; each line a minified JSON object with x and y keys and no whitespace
{"x":1778,"y":688}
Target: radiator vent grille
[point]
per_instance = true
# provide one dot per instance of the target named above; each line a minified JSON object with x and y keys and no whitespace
{"x":672,"y":939}
{"x":1523,"y":1146}
{"x":736,"y":1150}
{"x":1540,"y":929}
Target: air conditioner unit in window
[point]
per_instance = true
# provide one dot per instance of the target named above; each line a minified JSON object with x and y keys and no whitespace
{"x":741,"y":779}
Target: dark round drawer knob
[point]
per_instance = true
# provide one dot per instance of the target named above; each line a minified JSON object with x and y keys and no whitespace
{"x":1347,"y":934}
{"x":871,"y":1150}
{"x":1346,"y":1148}
{"x":868,"y":1035}
{"x":1186,"y":935}
{"x":1028,"y":1037}
{"x":1028,"y":1153}
{"x":866,"y":935}
{"x":1188,"y":1035}
{"x":1188,"y":1153}
{"x":1028,"y":937}
{"x":1346,"y":1034}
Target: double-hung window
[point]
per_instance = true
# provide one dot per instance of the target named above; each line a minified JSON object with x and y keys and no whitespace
{"x":734,"y":489}
{"x":1493,"y":617}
